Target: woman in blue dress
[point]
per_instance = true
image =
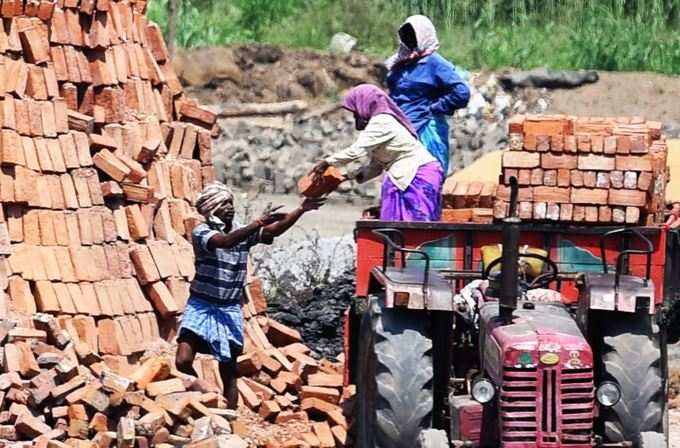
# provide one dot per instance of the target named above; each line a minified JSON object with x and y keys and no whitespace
{"x":426,"y":86}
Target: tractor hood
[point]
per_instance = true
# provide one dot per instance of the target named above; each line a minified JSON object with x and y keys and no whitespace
{"x":545,"y":335}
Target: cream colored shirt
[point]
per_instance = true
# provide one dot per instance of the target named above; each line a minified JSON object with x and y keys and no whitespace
{"x":390,"y":147}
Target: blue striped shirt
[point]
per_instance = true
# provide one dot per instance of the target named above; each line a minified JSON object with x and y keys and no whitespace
{"x":220,"y":273}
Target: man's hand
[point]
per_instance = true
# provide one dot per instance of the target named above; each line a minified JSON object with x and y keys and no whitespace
{"x":269,"y":216}
{"x":312,"y":204}
{"x":319,"y":169}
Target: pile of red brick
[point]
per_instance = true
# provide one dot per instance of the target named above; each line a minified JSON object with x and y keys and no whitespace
{"x":585,"y":170}
{"x":102,"y":157}
{"x":283,"y":383}
{"x":59,"y":391}
{"x":468,"y":201}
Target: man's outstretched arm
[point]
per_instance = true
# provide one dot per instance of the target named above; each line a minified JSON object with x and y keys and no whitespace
{"x":271,"y":231}
{"x":231,"y":239}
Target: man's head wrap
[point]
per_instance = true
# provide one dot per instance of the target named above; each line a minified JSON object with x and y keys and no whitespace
{"x":212,"y":198}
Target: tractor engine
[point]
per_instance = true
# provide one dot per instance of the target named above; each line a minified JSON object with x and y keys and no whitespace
{"x":541,"y":368}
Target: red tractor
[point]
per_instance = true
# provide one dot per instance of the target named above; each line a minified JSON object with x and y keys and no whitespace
{"x":544,"y":344}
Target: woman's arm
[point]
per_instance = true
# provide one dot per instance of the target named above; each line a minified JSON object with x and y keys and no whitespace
{"x":376,"y":133}
{"x":455,"y":92}
{"x":370,"y":171}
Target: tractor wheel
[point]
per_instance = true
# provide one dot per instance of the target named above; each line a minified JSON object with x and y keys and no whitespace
{"x":394,"y":390}
{"x":653,"y":440}
{"x":631,"y":357}
{"x":433,"y":438}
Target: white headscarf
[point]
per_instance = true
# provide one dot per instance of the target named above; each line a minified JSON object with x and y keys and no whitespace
{"x":426,"y":38}
{"x":212,"y":198}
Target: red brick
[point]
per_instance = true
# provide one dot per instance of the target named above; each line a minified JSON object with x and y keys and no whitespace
{"x":587,"y":196}
{"x":632,"y":215}
{"x":192,"y":113}
{"x":162,"y":299}
{"x":592,"y":214}
{"x":515,"y":159}
{"x":634,"y":163}
{"x":596,"y":162}
{"x":552,"y":161}
{"x":610,"y":145}
{"x":605,"y":214}
{"x":35,"y":85}
{"x":645,"y":181}
{"x":597,"y":144}
{"x":35,"y":45}
{"x":137,"y":224}
{"x":616,"y":179}
{"x":552,"y":194}
{"x":589,"y":179}
{"x":550,"y":178}
{"x":12,"y":148}
{"x":583,"y":143}
{"x":623,"y":144}
{"x":633,"y":198}
{"x":20,"y":297}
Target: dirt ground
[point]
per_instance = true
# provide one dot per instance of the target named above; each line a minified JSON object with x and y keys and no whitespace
{"x":649,"y":95}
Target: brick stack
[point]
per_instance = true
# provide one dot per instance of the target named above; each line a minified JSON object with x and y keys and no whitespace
{"x":58,"y":391}
{"x":101,"y":158}
{"x":468,"y":201}
{"x":585,"y":170}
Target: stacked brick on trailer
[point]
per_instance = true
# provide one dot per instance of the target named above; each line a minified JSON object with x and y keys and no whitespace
{"x":585,"y":170}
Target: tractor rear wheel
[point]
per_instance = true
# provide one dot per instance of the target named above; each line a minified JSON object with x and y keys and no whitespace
{"x":631,"y":357}
{"x":395,"y":378}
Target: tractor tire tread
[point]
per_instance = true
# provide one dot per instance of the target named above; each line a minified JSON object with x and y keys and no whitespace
{"x":632,"y":359}
{"x":402,"y":388}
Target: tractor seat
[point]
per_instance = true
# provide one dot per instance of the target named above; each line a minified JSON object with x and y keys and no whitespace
{"x":404,"y":287}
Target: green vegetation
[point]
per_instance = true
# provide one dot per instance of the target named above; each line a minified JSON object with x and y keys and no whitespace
{"x":630,"y":35}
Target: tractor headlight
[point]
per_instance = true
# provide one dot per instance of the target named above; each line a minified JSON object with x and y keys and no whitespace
{"x":608,"y":394}
{"x":483,"y":390}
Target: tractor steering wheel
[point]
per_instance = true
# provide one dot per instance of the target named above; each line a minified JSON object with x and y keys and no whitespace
{"x":541,"y":281}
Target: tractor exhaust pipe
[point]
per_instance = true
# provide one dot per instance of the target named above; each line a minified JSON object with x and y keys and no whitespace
{"x":509,"y":258}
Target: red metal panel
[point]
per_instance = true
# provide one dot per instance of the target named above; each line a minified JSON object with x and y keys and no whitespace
{"x":567,"y":243}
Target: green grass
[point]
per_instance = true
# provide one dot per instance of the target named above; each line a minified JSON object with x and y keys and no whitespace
{"x":630,"y":35}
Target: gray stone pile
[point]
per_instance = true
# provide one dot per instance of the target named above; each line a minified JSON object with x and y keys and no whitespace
{"x":270,"y":153}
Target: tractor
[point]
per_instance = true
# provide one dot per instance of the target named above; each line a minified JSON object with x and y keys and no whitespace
{"x":510,"y":334}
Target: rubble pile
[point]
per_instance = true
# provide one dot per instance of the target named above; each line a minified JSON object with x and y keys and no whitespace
{"x":586,"y":170}
{"x":317,"y":313}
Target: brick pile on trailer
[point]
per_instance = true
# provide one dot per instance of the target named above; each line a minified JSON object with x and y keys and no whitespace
{"x":465,"y":201}
{"x":585,"y":170}
{"x":101,"y":157}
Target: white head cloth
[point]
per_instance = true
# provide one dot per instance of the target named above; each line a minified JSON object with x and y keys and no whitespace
{"x":213,"y":197}
{"x":426,"y":38}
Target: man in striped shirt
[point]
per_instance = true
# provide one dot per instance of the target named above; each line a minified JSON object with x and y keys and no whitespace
{"x":212,"y":321}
